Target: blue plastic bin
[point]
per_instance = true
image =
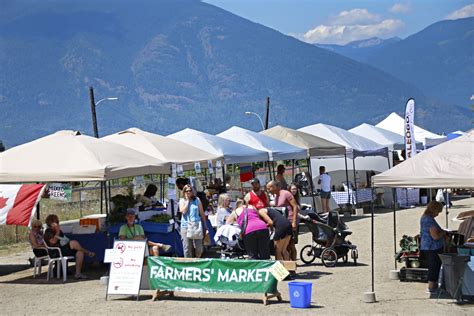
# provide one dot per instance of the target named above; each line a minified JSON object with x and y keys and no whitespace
{"x":300,"y":294}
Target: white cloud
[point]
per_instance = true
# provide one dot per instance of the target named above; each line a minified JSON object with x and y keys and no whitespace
{"x":353,"y":17}
{"x":400,"y":8}
{"x":342,"y":34}
{"x":464,"y":12}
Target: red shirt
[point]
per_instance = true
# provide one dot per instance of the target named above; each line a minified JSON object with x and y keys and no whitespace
{"x":258,"y":201}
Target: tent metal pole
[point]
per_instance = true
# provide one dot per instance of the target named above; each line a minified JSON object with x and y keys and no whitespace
{"x":223,"y":176}
{"x":372,"y":241}
{"x":355,"y":181}
{"x":447,"y":202}
{"x":308,"y":160}
{"x":101,"y":197}
{"x":394,"y":193}
{"x":347,"y":181}
{"x":269,"y":169}
{"x":293,"y":170}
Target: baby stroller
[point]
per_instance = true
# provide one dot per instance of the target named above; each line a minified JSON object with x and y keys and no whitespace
{"x":329,"y":240}
{"x":231,"y":245}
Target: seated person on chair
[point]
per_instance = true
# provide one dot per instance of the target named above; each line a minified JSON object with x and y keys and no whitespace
{"x":132,"y":231}
{"x":36,"y":239}
{"x":54,"y":237}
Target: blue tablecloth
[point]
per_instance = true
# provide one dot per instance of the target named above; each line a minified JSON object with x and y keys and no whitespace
{"x":97,"y":243}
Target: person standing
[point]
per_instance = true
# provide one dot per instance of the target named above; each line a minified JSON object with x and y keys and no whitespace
{"x":284,"y":198}
{"x":257,"y":196}
{"x":223,"y":209}
{"x":283,"y":231}
{"x":193,"y":219}
{"x":255,"y":231}
{"x":281,"y":178}
{"x":432,"y":243}
{"x":325,"y":182}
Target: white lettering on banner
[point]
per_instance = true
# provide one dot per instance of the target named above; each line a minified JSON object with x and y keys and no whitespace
{"x":410,"y":146}
{"x":192,"y":274}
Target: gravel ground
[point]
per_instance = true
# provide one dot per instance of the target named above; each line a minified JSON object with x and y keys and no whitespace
{"x":336,"y":290}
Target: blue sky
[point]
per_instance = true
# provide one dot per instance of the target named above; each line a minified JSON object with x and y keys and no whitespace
{"x":339,"y":22}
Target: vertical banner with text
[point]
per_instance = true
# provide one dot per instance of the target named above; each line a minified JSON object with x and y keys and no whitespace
{"x":410,"y":146}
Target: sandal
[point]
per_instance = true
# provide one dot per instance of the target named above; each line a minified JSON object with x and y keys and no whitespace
{"x":166,"y":248}
{"x":81,"y":276}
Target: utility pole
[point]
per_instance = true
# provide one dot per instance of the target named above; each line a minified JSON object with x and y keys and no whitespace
{"x":267,"y":113}
{"x":94,"y":116}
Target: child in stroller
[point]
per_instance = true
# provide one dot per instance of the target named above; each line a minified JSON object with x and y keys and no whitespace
{"x":228,"y":239}
{"x":328,"y":240}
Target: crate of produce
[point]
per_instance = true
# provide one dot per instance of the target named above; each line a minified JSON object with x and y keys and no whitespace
{"x":413,"y":275}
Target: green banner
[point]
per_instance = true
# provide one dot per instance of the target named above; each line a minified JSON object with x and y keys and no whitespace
{"x":211,"y":275}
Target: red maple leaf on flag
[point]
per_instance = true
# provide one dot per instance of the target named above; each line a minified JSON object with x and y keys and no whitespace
{"x":3,"y":202}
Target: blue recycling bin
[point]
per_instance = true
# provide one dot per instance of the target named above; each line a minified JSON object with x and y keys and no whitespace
{"x":300,"y":294}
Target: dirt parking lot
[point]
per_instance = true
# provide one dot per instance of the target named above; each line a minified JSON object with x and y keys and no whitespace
{"x":336,"y":290}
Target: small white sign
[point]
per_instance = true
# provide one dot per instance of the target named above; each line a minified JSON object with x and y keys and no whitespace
{"x":209,"y":166}
{"x":197,"y":167}
{"x":126,"y":267}
{"x":180,"y":170}
{"x":173,"y":170}
{"x":171,"y":221}
{"x":279,"y":271}
{"x":109,"y":255}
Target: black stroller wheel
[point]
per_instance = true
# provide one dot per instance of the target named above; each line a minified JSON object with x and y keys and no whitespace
{"x":307,"y":254}
{"x":355,"y":255}
{"x":329,"y":257}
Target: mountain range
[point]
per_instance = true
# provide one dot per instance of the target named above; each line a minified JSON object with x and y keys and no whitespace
{"x":182,"y":63}
{"x":439,"y":59}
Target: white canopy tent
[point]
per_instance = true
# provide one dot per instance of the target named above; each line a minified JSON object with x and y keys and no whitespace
{"x":231,"y":151}
{"x":161,"y":147}
{"x":381,"y":136}
{"x":448,"y":165}
{"x":375,"y":156}
{"x":315,"y":146}
{"x":356,"y":146}
{"x":67,"y":156}
{"x":395,"y":123}
{"x":277,"y":150}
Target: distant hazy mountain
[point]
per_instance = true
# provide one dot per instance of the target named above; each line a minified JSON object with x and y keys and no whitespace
{"x":176,"y":64}
{"x":359,"y":50}
{"x":439,"y":59}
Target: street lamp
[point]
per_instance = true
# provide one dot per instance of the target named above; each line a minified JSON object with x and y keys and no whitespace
{"x":93,"y":105}
{"x":259,"y":118}
{"x":106,"y":99}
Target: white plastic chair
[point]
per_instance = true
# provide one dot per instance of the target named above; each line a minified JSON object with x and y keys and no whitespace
{"x":61,"y":259}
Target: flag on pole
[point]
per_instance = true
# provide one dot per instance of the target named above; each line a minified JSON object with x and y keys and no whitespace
{"x":410,"y":146}
{"x":18,"y":203}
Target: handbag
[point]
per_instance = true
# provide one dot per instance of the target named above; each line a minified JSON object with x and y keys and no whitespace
{"x":244,"y":223}
{"x":194,"y":230}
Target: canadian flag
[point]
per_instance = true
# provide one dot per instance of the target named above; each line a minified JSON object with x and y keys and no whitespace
{"x":18,"y":203}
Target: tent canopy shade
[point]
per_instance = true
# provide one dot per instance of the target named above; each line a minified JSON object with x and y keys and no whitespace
{"x":233,"y":152}
{"x":163,"y":148}
{"x":448,"y":165}
{"x":276,"y":149}
{"x":356,"y":146}
{"x":381,"y":136}
{"x":67,"y":156}
{"x":315,"y":146}
{"x":395,"y":123}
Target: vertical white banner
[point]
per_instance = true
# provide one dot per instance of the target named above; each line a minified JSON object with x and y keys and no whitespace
{"x":410,"y":146}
